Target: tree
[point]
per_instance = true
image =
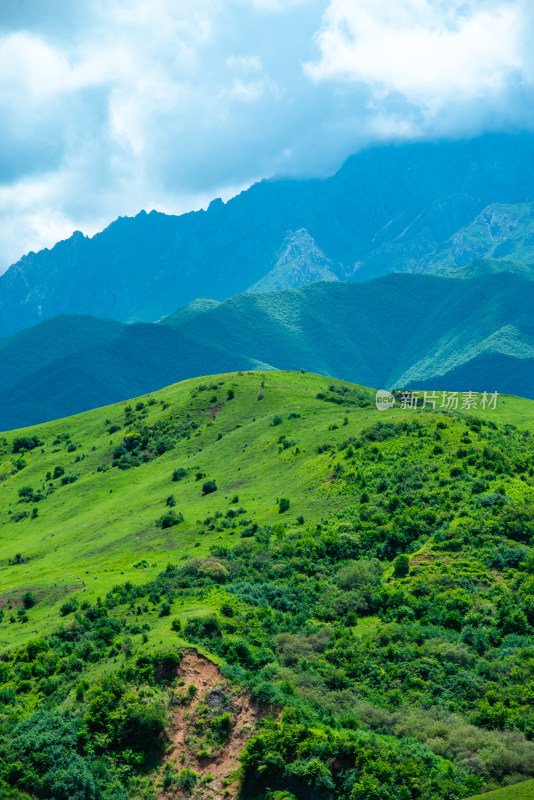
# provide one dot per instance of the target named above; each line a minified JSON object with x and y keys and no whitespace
{"x":357,"y":574}
{"x":283,"y":505}
{"x":28,"y":600}
{"x":401,"y":566}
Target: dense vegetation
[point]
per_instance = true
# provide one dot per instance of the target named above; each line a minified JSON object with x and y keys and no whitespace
{"x":383,"y":616}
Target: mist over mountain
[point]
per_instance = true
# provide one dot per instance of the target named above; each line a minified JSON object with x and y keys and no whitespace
{"x":409,"y":208}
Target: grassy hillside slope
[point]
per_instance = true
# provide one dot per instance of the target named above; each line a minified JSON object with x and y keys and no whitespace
{"x":520,"y":791}
{"x":363,"y":579}
{"x":97,"y":528}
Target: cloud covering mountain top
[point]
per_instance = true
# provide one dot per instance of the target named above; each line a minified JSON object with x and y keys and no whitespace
{"x":110,"y":107}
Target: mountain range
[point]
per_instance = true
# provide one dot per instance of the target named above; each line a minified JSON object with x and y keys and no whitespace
{"x":410,"y":208}
{"x":422,"y":331}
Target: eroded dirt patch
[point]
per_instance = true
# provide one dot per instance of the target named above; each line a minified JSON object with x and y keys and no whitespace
{"x":213,"y":411}
{"x":211,"y":724}
{"x":49,"y":596}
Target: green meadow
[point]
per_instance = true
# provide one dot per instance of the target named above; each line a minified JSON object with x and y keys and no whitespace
{"x":101,"y":529}
{"x":366,"y":578}
{"x":520,"y":791}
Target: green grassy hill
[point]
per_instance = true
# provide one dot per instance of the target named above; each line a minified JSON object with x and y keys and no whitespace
{"x":365,"y":577}
{"x":231,"y":441}
{"x":520,"y":791}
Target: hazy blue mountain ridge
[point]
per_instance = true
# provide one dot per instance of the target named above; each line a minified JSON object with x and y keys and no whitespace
{"x":395,"y":331}
{"x":388,"y":209}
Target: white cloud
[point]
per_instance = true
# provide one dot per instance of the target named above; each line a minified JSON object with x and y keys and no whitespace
{"x":428,"y":51}
{"x":110,"y":106}
{"x":273,"y":6}
{"x":245,"y":64}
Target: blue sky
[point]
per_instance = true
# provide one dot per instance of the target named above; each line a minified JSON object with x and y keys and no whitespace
{"x":111,"y":106}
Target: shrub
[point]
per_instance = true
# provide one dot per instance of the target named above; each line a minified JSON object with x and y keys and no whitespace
{"x":277,"y":420}
{"x":203,"y":627}
{"x":360,"y":573}
{"x":28,"y":600}
{"x":213,"y":569}
{"x":58,"y":472}
{"x":132,"y":440}
{"x":27,"y":495}
{"x":47,"y":748}
{"x":143,"y":725}
{"x":221,"y":726}
{"x":25,"y":443}
{"x":283,"y":505}
{"x":492,"y":499}
{"x":69,"y":607}
{"x":187,"y":779}
{"x":179,"y":474}
{"x":208,"y":487}
{"x":169,"y":519}
{"x":401,"y":566}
